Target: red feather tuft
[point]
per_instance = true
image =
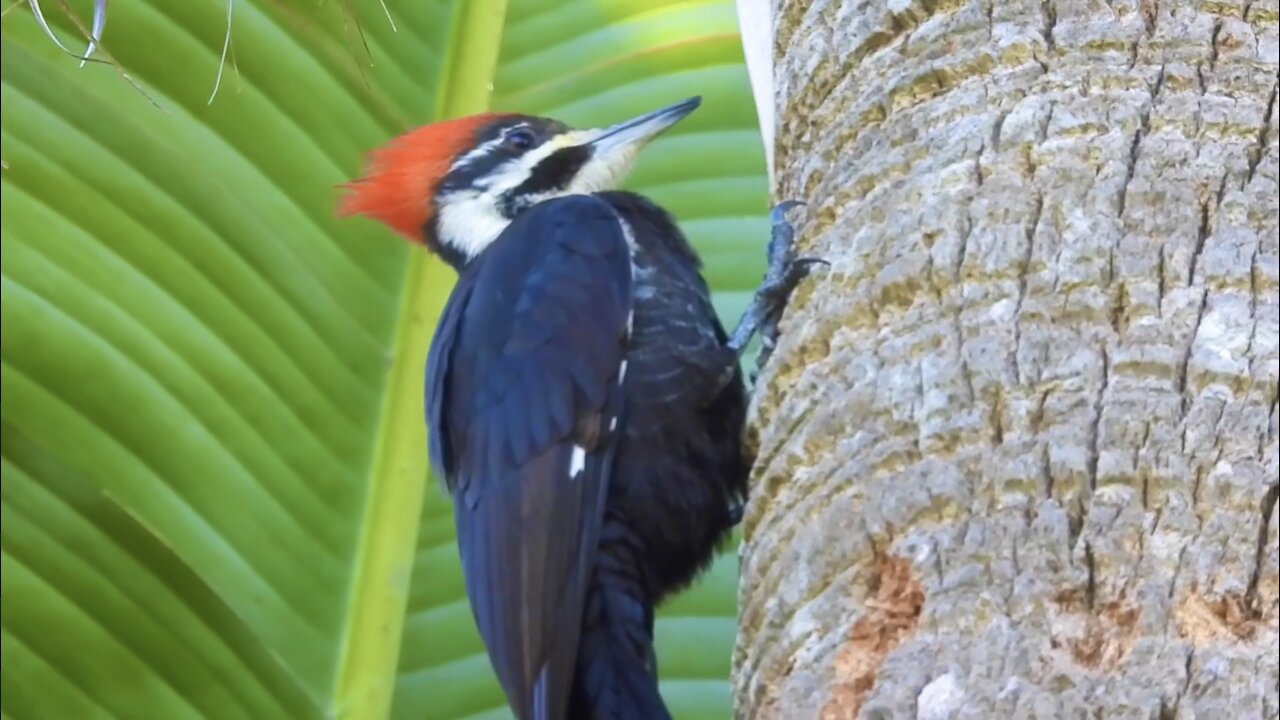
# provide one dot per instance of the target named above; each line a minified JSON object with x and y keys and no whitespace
{"x":401,"y":177}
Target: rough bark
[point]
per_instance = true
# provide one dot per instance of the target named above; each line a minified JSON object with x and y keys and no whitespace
{"x":1018,"y":447}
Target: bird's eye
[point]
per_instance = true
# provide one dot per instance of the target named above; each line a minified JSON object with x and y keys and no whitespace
{"x":519,"y":139}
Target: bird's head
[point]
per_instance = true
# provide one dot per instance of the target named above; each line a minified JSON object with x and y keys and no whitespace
{"x":456,"y":185}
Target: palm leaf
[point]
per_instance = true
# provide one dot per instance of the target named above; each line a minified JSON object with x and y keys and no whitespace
{"x":212,"y":442}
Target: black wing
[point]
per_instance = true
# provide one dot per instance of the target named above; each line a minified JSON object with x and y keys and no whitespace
{"x":524,"y":386}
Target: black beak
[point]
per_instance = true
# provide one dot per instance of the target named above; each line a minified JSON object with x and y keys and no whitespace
{"x":638,"y":131}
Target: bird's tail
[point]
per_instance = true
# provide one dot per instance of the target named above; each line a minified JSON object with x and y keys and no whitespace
{"x":616,"y":676}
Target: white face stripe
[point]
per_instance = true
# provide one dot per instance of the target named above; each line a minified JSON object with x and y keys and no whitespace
{"x":578,"y":461}
{"x":486,"y":147}
{"x":603,"y":173}
{"x":476,"y":153}
{"x":469,"y":220}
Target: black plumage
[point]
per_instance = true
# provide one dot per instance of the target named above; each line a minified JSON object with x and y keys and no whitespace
{"x":586,"y":324}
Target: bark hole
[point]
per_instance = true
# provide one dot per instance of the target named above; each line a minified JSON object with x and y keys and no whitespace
{"x":891,"y":614}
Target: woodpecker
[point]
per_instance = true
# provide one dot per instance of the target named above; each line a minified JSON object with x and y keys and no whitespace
{"x":584,"y":405}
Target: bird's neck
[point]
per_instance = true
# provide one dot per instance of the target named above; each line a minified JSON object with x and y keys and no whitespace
{"x":466,"y":227}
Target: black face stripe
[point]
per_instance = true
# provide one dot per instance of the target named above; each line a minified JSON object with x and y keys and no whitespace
{"x":556,"y":171}
{"x":551,"y":175}
{"x":469,"y":174}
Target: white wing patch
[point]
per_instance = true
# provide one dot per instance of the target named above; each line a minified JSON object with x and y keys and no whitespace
{"x":578,"y":462}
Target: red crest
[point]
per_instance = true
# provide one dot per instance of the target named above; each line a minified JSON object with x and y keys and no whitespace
{"x":399,"y":183}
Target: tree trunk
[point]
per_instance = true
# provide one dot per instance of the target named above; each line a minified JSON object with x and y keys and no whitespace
{"x":1018,"y":446}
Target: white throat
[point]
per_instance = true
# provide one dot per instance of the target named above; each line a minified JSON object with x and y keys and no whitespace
{"x":469,"y":222}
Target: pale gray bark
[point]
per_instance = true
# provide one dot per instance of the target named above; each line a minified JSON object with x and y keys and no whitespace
{"x":1018,"y":447}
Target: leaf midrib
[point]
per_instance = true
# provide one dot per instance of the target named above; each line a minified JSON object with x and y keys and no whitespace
{"x":368,"y":656}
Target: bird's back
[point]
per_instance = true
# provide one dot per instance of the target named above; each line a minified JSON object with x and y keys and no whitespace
{"x":680,"y":465}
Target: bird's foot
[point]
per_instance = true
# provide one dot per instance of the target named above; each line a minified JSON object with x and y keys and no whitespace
{"x":784,"y":273}
{"x":734,"y":514}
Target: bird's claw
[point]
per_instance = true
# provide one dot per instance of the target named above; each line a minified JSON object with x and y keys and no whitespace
{"x":778,"y":215}
{"x":734,"y":515}
{"x":784,"y":273}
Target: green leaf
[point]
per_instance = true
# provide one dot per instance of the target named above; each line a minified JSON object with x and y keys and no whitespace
{"x":212,"y":447}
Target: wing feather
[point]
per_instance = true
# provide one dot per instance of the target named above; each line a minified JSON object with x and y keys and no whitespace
{"x":525,"y":373}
